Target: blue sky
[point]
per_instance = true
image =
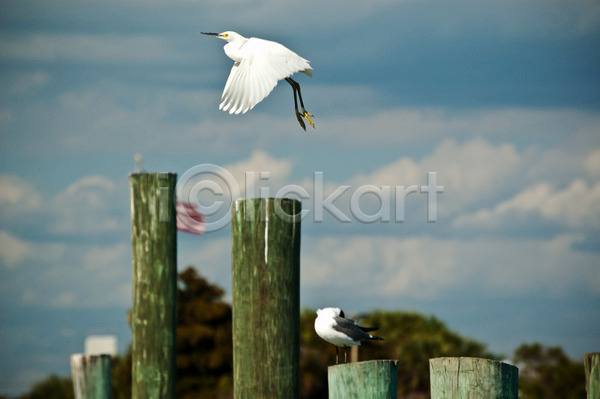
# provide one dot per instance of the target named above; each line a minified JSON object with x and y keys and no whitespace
{"x":500,"y":98}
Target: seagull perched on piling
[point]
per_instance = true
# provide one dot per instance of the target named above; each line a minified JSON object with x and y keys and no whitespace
{"x":331,"y":325}
{"x":258,"y":65}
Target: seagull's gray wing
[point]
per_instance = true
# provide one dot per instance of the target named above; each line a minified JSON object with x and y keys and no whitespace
{"x":349,"y":328}
{"x":367,"y":329}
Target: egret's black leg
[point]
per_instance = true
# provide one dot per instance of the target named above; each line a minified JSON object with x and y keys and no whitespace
{"x":337,"y":353}
{"x":299,"y":94}
{"x":306,"y":115}
{"x":298,"y":114}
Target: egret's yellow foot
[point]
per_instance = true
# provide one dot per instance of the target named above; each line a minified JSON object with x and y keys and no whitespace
{"x":300,"y":121}
{"x":307,"y":116}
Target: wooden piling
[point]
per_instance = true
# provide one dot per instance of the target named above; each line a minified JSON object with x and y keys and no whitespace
{"x":266,"y":298}
{"x":373,"y":379}
{"x":91,"y":376}
{"x":591,"y":363}
{"x":472,"y":378}
{"x":154,"y":315}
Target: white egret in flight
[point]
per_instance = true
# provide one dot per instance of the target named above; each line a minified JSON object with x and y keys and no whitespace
{"x":258,"y":66}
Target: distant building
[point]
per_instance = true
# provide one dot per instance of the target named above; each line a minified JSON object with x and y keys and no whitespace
{"x":101,"y":344}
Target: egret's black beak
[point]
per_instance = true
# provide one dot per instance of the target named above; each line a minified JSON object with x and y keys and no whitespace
{"x":210,"y":33}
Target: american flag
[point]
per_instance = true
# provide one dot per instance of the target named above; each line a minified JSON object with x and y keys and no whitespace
{"x":189,"y":220}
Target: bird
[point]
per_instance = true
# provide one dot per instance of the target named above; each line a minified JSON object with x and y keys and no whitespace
{"x":258,"y":65}
{"x":331,"y":325}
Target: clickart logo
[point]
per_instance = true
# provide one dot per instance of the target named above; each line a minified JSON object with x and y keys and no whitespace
{"x":212,"y":189}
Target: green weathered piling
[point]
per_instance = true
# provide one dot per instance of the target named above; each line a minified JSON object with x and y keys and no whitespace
{"x":266,"y":298}
{"x":373,"y":379}
{"x":91,"y":376}
{"x":154,"y":315}
{"x":591,"y":363}
{"x":472,"y":378}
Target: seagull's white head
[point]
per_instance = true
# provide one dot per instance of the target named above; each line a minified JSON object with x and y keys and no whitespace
{"x":228,"y":36}
{"x":331,"y":312}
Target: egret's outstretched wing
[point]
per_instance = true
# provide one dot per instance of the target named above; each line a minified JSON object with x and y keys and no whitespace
{"x":252,"y":79}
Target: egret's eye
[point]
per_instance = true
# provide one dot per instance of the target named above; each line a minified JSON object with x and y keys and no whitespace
{"x":224,"y":35}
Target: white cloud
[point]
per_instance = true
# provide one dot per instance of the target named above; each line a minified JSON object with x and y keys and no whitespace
{"x":63,"y":299}
{"x":592,"y":163}
{"x":26,"y":82}
{"x":12,"y":250}
{"x":105,"y":262}
{"x":64,"y":275}
{"x":395,"y":126}
{"x":29,"y":297}
{"x":473,"y":170}
{"x":403,"y":126}
{"x":537,"y":18}
{"x":418,"y":267}
{"x":110,"y":110}
{"x":260,"y":170}
{"x":576,"y":206}
{"x":464,"y":184}
{"x":17,"y":196}
{"x":88,"y":206}
{"x":430,"y":268}
{"x":378,"y":266}
{"x":88,"y":48}
{"x":94,"y":181}
{"x":213,"y":188}
{"x":17,"y":252}
{"x":91,"y":205}
{"x":511,"y":18}
{"x":477,"y":173}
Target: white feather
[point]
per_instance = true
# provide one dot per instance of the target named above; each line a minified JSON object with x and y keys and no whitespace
{"x":258,"y":66}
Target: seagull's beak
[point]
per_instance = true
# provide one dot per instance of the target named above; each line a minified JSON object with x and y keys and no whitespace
{"x":210,"y":33}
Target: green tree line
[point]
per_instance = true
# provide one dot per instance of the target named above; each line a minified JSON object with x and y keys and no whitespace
{"x":204,"y":353}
